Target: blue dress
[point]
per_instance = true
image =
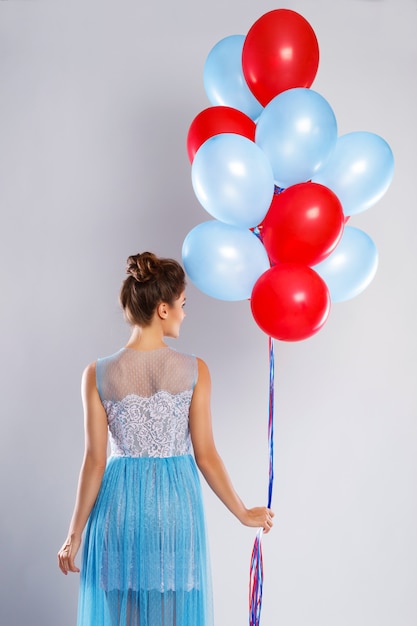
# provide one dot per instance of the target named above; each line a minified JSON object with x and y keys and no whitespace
{"x":145,"y":555}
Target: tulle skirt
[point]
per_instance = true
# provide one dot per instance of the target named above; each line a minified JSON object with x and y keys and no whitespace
{"x":145,"y":557}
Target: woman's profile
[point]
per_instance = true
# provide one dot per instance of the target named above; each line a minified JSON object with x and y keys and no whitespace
{"x":145,"y":559}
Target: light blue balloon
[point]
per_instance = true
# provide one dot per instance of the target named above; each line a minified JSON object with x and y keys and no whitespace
{"x":359,"y":171}
{"x":233,"y":180}
{"x":352,"y":265}
{"x":224,"y":261}
{"x":297,"y":130}
{"x":224,"y":82}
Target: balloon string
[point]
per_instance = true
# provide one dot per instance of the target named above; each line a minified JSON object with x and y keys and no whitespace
{"x":256,"y":576}
{"x":271,"y":419}
{"x":256,"y":581}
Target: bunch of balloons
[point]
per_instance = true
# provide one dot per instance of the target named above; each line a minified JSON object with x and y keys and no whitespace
{"x":269,"y":167}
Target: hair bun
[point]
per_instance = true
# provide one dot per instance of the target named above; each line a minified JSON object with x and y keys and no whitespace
{"x":143,"y":267}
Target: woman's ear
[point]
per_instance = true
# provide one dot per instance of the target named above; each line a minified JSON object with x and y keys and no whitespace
{"x":162,"y":310}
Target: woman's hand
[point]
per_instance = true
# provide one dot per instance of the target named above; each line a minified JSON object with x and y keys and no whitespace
{"x":258,"y":517}
{"x":66,"y":555}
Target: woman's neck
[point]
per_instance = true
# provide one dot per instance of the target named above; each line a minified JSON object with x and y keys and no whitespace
{"x":146,"y":338}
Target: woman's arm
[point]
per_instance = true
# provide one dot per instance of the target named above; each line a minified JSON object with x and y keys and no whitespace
{"x":92,"y":469}
{"x":209,"y":460}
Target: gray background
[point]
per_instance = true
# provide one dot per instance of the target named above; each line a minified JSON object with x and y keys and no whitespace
{"x":95,"y":104}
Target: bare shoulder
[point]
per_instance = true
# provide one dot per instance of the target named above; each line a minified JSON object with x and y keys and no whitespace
{"x":201,"y":364}
{"x":203,"y":369}
{"x":88,"y":381}
{"x":203,"y":377}
{"x":89,"y":371}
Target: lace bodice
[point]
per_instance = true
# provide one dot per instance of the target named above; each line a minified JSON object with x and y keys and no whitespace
{"x":147,"y":397}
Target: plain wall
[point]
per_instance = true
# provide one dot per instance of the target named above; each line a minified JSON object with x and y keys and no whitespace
{"x":95,"y":103}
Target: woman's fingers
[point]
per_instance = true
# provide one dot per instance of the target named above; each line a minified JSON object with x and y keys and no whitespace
{"x":63,"y":561}
{"x":268,"y":523}
{"x":66,"y":557}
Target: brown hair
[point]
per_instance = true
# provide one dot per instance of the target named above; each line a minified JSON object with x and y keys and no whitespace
{"x":150,"y":281}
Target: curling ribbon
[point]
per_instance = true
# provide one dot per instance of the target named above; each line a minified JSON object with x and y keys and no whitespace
{"x":256,"y":564}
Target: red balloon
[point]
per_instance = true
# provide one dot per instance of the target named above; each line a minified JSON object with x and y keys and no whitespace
{"x":280,"y":52}
{"x":290,"y":302}
{"x":214,"y":121}
{"x":304,"y":224}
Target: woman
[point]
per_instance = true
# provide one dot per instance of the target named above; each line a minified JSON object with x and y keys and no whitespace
{"x":145,"y":560}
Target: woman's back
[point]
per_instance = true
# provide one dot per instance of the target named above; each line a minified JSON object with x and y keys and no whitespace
{"x":147,"y":395}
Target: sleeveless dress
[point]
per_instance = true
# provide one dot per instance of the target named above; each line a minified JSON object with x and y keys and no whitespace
{"x":145,"y":556}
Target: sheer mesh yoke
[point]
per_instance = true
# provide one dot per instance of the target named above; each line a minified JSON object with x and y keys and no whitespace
{"x":147,"y":398}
